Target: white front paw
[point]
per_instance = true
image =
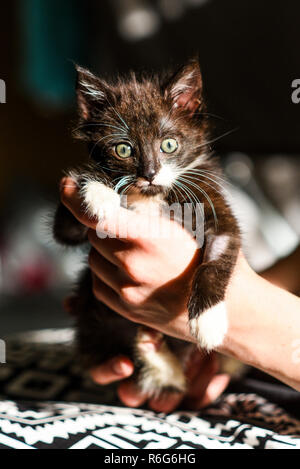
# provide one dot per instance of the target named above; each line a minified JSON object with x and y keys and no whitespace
{"x":210,"y":327}
{"x":100,"y":200}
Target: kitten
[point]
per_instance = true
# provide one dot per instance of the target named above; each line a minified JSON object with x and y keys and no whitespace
{"x":152,"y":136}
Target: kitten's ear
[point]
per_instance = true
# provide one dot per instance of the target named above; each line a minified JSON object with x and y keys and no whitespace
{"x":92,"y":93}
{"x":185,"y":88}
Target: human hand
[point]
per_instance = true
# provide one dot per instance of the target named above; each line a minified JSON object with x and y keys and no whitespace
{"x":204,"y":384}
{"x":146,"y":279}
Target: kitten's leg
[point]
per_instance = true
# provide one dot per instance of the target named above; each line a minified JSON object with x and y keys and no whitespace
{"x":207,"y":310}
{"x":66,"y":228}
{"x":160,"y":369}
{"x":101,"y":334}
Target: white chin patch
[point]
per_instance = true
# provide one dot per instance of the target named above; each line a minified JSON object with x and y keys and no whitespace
{"x":165,"y":176}
{"x":210,"y":327}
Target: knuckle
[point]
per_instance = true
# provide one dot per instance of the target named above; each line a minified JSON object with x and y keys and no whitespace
{"x":132,"y":269}
{"x":129,"y":296}
{"x":128,"y":268}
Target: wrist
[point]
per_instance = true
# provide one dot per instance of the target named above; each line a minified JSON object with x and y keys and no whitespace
{"x":263,"y":325}
{"x":242,"y":297}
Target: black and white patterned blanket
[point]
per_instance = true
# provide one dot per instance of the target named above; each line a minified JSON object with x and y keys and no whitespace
{"x":88,"y":426}
{"x":42,"y":406}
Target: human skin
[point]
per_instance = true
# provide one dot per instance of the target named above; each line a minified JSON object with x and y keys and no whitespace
{"x":148,"y":281}
{"x":285,"y":272}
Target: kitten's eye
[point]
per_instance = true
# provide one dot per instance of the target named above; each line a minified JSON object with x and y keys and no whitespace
{"x":123,"y":150}
{"x":169,"y":145}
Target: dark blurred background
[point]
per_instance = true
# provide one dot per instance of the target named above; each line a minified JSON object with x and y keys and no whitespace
{"x":249,"y":57}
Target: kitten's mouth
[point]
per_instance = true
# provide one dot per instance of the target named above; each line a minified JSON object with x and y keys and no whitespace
{"x":144,"y":187}
{"x":151,"y":190}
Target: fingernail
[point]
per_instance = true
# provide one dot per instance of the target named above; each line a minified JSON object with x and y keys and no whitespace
{"x":165,"y":403}
{"x":67,"y":182}
{"x":147,"y":347}
{"x":121,"y":368}
{"x":62,"y":183}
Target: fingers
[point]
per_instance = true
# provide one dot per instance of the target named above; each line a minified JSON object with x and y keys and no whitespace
{"x":215,"y":388}
{"x":114,"y":250}
{"x":200,"y":370}
{"x":110,"y":274}
{"x":109,"y":297}
{"x":205,"y":385}
{"x":196,"y":363}
{"x":130,"y":395}
{"x":71,"y":199}
{"x":113,"y":370}
{"x":166,"y":403}
{"x":205,"y":372}
{"x":117,"y":369}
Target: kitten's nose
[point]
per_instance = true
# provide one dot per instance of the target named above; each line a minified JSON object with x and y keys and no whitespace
{"x":149,"y":174}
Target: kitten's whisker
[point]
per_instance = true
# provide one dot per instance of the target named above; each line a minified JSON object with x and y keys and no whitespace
{"x":187,"y":193}
{"x":115,"y":124}
{"x":176,"y":184}
{"x":207,"y":198}
{"x":121,"y":183}
{"x":192,"y":194}
{"x":111,"y":136}
{"x":126,"y":188}
{"x":124,"y":180}
{"x":119,"y":116}
{"x":196,"y":177}
{"x":194,"y":197}
{"x":174,"y":192}
{"x":217,"y":138}
{"x":205,"y":182}
{"x":210,"y":115}
{"x":211,"y":177}
{"x":195,"y":170}
{"x":109,"y":169}
{"x":100,"y":125}
{"x":116,"y":179}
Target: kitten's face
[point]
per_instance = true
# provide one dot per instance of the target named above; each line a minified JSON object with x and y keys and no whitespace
{"x":142,"y":134}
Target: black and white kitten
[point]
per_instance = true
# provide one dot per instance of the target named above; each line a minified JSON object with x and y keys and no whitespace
{"x":149,"y":137}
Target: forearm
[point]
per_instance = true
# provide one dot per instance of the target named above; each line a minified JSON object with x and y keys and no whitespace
{"x":264,"y":326}
{"x":285,"y":273}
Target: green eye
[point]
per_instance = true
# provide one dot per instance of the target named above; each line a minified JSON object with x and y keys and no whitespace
{"x":124,"y":150}
{"x":169,"y":145}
